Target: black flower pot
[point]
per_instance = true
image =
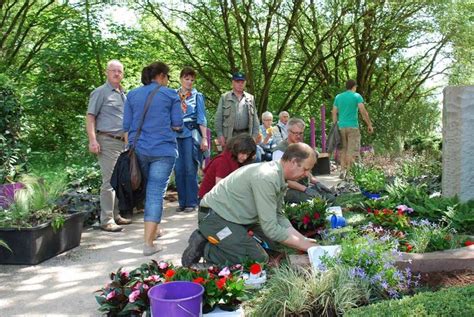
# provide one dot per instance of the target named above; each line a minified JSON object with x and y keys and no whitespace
{"x":34,"y":245}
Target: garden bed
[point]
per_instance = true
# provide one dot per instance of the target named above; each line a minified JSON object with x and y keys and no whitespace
{"x":437,"y":280}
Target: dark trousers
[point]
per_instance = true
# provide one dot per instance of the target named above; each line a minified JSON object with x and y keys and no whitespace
{"x":236,"y":247}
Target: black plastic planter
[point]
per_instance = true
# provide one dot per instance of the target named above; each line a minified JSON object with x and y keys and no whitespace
{"x":34,"y":245}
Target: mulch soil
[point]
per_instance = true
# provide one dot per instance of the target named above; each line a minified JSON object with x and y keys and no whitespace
{"x":436,"y":280}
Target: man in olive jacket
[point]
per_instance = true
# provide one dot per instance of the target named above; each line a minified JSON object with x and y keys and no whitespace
{"x":236,"y":112}
{"x":251,"y":198}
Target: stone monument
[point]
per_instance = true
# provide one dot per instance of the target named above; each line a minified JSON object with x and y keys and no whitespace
{"x":458,"y":142}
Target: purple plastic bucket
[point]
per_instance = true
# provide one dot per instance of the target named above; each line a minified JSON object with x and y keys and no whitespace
{"x":7,"y":193}
{"x":337,"y":222}
{"x":176,"y":299}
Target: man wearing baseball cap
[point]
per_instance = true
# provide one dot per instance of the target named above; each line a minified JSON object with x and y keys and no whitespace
{"x":236,"y":112}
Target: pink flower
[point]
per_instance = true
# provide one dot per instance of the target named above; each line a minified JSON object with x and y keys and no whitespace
{"x":224,"y":272}
{"x":145,"y":287}
{"x":163,"y":265}
{"x":137,"y":285}
{"x":133,"y":296}
{"x":152,"y":278}
{"x":111,"y":295}
{"x":124,"y":274}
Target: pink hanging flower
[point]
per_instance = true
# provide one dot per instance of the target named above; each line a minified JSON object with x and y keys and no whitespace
{"x":111,"y":295}
{"x":163,"y":265}
{"x":224,"y":272}
{"x":152,"y":278}
{"x":133,"y":296}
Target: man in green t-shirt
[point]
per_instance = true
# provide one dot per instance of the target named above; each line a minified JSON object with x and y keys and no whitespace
{"x":345,"y":114}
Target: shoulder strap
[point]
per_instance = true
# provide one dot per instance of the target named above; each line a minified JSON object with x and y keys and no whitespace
{"x":145,"y":110}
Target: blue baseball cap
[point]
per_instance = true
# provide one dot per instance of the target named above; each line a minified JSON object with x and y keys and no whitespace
{"x":238,"y":76}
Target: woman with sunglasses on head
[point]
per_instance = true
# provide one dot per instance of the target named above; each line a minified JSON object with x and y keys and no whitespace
{"x":192,"y":141}
{"x":155,"y":147}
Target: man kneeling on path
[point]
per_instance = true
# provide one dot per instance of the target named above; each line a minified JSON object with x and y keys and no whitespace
{"x":250,"y":198}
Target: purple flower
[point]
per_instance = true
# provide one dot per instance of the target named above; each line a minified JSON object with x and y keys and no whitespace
{"x":133,"y":296}
{"x":384,"y":284}
{"x":111,"y":295}
{"x":405,"y":209}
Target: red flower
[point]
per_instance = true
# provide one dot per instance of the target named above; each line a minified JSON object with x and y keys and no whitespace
{"x":468,"y":243}
{"x":400,"y":212}
{"x":169,"y":274}
{"x":199,"y":280}
{"x":369,"y":210}
{"x":408,"y":247}
{"x":221,"y":282}
{"x":376,"y":212}
{"x":316,"y":215}
{"x":306,"y":219}
{"x":255,"y":268}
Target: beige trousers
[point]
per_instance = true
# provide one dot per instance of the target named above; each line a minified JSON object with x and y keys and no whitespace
{"x":110,"y":150}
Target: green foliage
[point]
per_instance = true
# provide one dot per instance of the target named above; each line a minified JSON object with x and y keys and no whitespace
{"x":35,"y":204}
{"x":86,"y":178}
{"x":12,"y":149}
{"x":3,"y":244}
{"x":302,"y":292}
{"x":368,"y":179}
{"x":453,"y":301}
{"x":429,"y":237}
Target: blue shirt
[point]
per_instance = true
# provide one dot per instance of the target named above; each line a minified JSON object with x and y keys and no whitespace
{"x":195,"y":112}
{"x":157,"y":138}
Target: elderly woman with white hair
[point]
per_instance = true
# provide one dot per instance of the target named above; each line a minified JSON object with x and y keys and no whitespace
{"x":265,"y":140}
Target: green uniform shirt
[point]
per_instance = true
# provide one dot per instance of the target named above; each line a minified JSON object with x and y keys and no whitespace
{"x":253,"y":194}
{"x":347,"y":104}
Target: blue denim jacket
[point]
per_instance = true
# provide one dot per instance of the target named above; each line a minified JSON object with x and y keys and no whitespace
{"x":157,"y":137}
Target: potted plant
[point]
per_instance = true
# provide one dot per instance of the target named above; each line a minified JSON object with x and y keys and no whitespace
{"x":370,"y":181}
{"x":307,"y":216}
{"x":34,"y":227}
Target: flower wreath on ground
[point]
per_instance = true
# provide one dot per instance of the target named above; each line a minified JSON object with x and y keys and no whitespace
{"x":127,"y":293}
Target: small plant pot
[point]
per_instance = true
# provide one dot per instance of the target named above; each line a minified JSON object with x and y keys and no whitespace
{"x":229,"y":307}
{"x":337,"y":222}
{"x":371,"y":195}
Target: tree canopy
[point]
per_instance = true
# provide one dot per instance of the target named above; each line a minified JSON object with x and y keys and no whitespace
{"x":297,"y":56}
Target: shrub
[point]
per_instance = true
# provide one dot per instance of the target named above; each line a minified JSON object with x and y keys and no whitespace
{"x":12,"y":150}
{"x":455,"y":301}
{"x":34,"y":204}
{"x":308,"y":215}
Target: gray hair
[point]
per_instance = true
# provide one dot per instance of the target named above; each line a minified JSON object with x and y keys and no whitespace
{"x":267,"y":114}
{"x":296,"y":121}
{"x":114,"y":62}
{"x":283,"y":113}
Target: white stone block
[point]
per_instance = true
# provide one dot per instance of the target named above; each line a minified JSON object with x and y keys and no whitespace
{"x":458,"y":142}
{"x":217,"y":312}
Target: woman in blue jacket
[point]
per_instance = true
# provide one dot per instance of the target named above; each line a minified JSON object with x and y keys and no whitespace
{"x":156,"y":146}
{"x":192,"y":141}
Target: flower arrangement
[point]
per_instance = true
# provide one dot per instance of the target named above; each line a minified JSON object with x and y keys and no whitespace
{"x":389,"y":218}
{"x":127,"y":293}
{"x":372,"y":260}
{"x":307,"y":216}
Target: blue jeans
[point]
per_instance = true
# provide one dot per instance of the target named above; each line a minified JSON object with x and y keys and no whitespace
{"x":157,"y":170}
{"x":185,"y":172}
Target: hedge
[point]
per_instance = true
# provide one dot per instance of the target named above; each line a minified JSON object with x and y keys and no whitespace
{"x":452,"y":302}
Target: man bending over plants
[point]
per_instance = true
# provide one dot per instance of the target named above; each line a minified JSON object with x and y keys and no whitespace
{"x":250,"y":199}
